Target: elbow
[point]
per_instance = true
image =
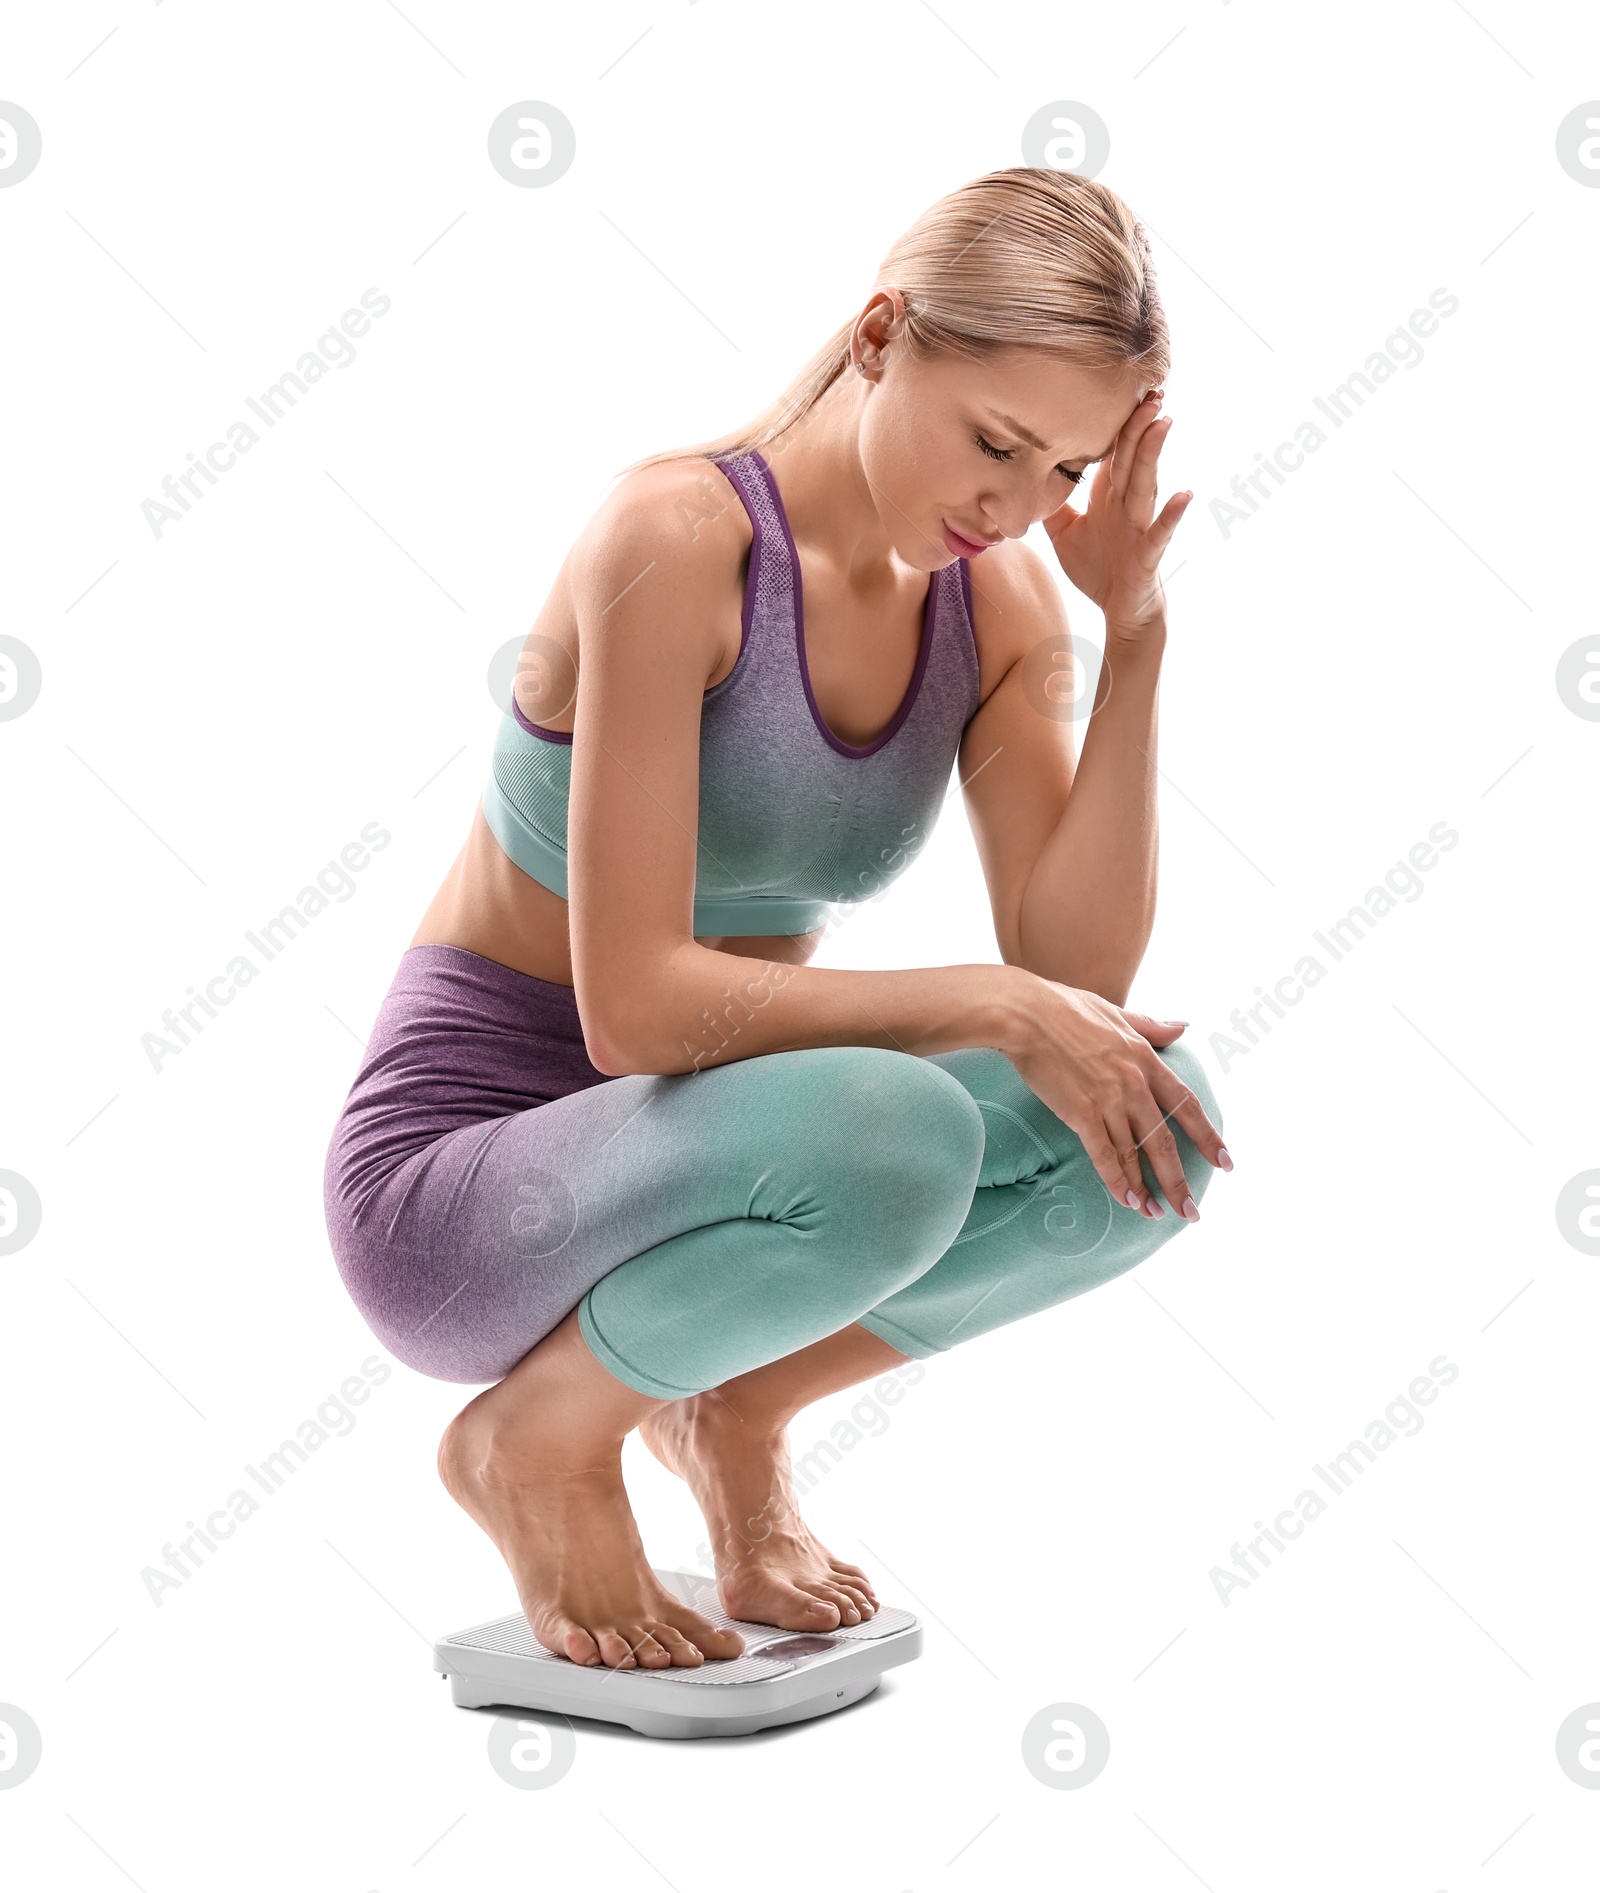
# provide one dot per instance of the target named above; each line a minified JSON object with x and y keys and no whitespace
{"x":613,"y":1054}
{"x":606,"y":1061}
{"x":622,"y":1049}
{"x":627,"y":1013}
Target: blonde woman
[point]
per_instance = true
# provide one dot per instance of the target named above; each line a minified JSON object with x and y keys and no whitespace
{"x":615,"y":1147}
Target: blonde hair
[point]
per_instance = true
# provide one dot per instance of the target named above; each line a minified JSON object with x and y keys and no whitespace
{"x":1020,"y":258}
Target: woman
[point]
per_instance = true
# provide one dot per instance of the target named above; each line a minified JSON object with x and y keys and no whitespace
{"x":614,"y":1146}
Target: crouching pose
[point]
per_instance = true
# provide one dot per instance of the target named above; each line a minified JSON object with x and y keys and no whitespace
{"x":615,"y":1147}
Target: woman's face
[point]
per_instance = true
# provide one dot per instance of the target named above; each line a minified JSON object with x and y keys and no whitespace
{"x":962,"y":453}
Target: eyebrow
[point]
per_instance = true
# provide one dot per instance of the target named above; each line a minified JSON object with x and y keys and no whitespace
{"x":1034,"y":441}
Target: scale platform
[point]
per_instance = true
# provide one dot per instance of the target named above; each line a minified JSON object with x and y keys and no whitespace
{"x":782,"y":1676}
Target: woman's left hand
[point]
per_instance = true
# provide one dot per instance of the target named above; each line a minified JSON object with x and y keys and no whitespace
{"x":1112,"y":549}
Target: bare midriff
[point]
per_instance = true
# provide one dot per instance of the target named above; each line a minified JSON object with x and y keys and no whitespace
{"x":488,"y":906}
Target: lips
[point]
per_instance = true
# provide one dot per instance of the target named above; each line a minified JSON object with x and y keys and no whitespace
{"x":962,"y":546}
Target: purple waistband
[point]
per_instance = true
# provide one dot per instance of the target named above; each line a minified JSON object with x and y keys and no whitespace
{"x":459,"y":1039}
{"x":448,"y":988}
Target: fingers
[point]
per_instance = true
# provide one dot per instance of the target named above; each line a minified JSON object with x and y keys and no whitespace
{"x":1125,"y":460}
{"x":1159,"y":535}
{"x":1161,"y":1147}
{"x":1100,"y":1148}
{"x":1154,"y":1099}
{"x":1140,"y":496}
{"x":1125,"y":1138}
{"x":1180,"y":1105}
{"x":1160,"y":1032}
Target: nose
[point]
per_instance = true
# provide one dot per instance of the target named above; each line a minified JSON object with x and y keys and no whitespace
{"x":1008,"y":514}
{"x":1007,"y":517}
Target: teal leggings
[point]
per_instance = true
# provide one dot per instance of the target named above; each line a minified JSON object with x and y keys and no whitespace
{"x":929,"y":1199}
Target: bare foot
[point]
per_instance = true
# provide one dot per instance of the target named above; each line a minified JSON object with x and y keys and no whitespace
{"x":771,"y":1568}
{"x":541,"y":1472}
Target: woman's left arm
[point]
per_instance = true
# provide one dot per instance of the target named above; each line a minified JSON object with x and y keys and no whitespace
{"x":1070,"y":848}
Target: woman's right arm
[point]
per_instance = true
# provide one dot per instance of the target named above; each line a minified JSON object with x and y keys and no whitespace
{"x":652,"y":999}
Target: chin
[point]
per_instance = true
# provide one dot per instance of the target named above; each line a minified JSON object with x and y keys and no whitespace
{"x":931,"y":553}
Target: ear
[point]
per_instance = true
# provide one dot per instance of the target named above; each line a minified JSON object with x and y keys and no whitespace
{"x":888,"y":322}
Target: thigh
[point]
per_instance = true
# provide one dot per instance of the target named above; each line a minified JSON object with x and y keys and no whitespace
{"x":474,"y":1247}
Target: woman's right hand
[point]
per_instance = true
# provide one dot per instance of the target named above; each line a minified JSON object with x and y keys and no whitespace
{"x":1095,"y":1065}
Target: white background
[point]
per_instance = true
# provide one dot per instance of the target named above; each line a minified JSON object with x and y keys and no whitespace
{"x":225,"y":707}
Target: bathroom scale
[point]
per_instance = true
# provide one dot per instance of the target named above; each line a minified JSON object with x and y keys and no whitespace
{"x":782,"y":1676}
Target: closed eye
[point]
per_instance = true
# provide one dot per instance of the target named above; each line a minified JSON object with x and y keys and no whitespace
{"x":1005,"y":453}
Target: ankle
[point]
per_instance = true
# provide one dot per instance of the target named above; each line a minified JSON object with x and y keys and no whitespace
{"x":717,"y":1415}
{"x":509,"y":1451}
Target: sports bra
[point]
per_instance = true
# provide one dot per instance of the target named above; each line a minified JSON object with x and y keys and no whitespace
{"x":792,"y":820}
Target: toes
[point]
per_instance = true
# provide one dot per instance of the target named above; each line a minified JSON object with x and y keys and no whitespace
{"x":827,"y":1614}
{"x":851,"y":1578}
{"x":703,"y":1635}
{"x":576,"y":1644}
{"x":656,"y":1644}
{"x":683,"y":1653}
{"x":616,"y":1650}
{"x":849,"y":1610}
{"x":719,"y":1644}
{"x":648,"y":1652}
{"x":862,"y":1598}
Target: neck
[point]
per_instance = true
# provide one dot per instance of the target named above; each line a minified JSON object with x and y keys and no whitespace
{"x":834,"y":510}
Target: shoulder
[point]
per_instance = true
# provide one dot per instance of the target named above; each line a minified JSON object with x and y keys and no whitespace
{"x":679,"y":521}
{"x":1016,"y":601}
{"x":661,"y":569}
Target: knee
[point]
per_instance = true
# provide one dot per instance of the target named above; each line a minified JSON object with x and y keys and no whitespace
{"x":903,"y":1131}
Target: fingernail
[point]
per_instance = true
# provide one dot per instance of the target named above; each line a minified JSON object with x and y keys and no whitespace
{"x":1131,"y":1200}
{"x":1223,"y":1158}
{"x":1155,"y":1209}
{"x":1179,"y":1022}
{"x":1189,"y":1210}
